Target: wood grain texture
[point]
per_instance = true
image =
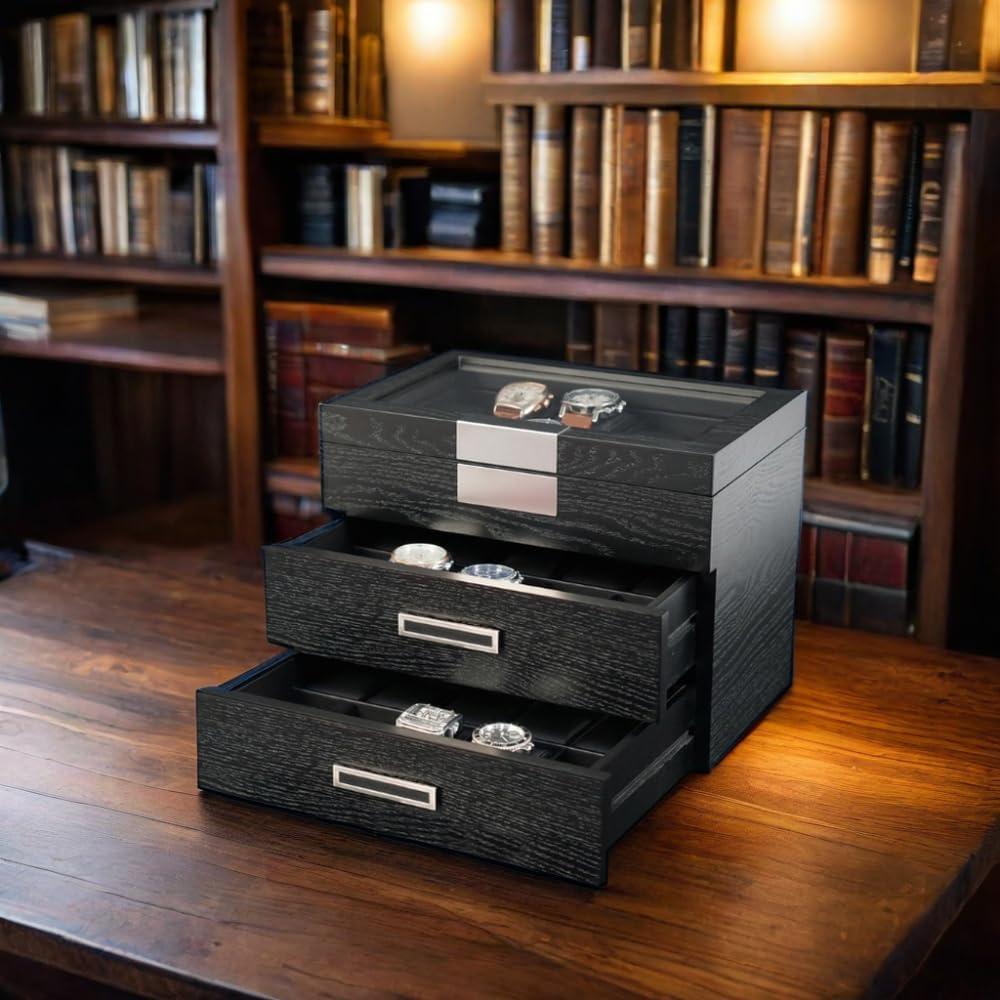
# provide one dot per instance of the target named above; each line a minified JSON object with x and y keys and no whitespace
{"x":98,"y":132}
{"x":844,"y":830}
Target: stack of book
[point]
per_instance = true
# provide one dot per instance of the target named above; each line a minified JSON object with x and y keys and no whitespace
{"x":142,"y":64}
{"x":30,"y":311}
{"x":463,"y":214}
{"x":858,"y":573}
{"x":62,"y":200}
{"x":866,"y":384}
{"x":958,"y":35}
{"x":780,"y":192}
{"x":318,"y":350}
{"x":319,"y":57}
{"x":561,"y":35}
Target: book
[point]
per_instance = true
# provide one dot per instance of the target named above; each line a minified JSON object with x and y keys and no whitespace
{"x":913,"y":402}
{"x":146,"y":55}
{"x":607,"y":47}
{"x":989,"y":56}
{"x":675,"y":340}
{"x":906,"y":243}
{"x":791,"y":192}
{"x":710,"y":326}
{"x":716,"y":22}
{"x":630,"y":193}
{"x":585,"y":183}
{"x":929,"y":209}
{"x":321,"y":205}
{"x":690,"y":162}
{"x":934,"y":37}
{"x":32,"y":311}
{"x":635,"y":33}
{"x":650,"y":354}
{"x":965,"y":36}
{"x":42,"y":204}
{"x":72,"y":89}
{"x":271,"y":77}
{"x":128,"y":65}
{"x":706,"y":210}
{"x":548,"y":180}
{"x":822,"y":191}
{"x":736,"y":352}
{"x":105,"y":70}
{"x":890,"y":143}
{"x":680,"y":34}
{"x":515,"y":179}
{"x":363,"y":187}
{"x":64,"y":201}
{"x":768,"y":350}
{"x":461,"y":226}
{"x":553,"y":36}
{"x":612,"y":117}
{"x":580,"y":333}
{"x":660,"y":236}
{"x":804,"y":370}
{"x":887,"y":347}
{"x":513,"y":36}
{"x":581,"y":41}
{"x":347,"y":325}
{"x":315,"y":77}
{"x":617,"y":335}
{"x":197,"y":48}
{"x":841,"y":255}
{"x":805,"y":572}
{"x":743,"y":168}
{"x":843,"y":406}
{"x":33,"y":51}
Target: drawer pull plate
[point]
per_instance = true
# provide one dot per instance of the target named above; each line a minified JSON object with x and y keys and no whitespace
{"x":504,"y":489}
{"x":478,"y":637}
{"x":382,"y":786}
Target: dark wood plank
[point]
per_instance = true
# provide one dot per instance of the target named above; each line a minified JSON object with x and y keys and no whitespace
{"x":101,"y":132}
{"x":133,"y":271}
{"x":866,"y":497}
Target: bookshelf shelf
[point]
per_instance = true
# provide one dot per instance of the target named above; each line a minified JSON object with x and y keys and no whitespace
{"x":493,"y":272}
{"x":297,"y":477}
{"x":903,"y":91}
{"x":99,"y":132}
{"x":311,"y":132}
{"x":865,"y":497}
{"x":183,"y":340}
{"x":121,"y":269}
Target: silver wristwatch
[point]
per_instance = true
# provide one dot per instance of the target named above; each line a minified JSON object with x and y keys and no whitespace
{"x":492,"y":571}
{"x":503,"y":736}
{"x":584,"y":407}
{"x":422,"y":554}
{"x":517,"y":400}
{"x":430,"y":719}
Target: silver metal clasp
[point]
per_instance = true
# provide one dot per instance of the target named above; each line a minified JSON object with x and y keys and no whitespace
{"x":478,"y":637}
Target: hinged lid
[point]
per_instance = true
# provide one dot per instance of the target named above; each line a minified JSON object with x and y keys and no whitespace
{"x":674,"y":434}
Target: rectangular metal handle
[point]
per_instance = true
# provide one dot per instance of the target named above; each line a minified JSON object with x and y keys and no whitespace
{"x":383,"y":786}
{"x":485,"y":640}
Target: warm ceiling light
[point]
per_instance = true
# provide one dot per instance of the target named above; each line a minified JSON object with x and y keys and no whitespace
{"x":433,"y":23}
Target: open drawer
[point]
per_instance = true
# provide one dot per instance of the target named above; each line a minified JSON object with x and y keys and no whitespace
{"x":318,"y":736}
{"x":581,"y":631}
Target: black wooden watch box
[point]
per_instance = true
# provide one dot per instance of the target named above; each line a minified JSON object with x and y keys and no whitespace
{"x":652,"y":628}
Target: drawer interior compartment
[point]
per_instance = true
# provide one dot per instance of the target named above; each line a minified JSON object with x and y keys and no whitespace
{"x":580,"y":631}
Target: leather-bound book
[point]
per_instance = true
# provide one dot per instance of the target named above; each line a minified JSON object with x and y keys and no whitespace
{"x":706,"y":209}
{"x":906,"y":244}
{"x":660,"y":240}
{"x":71,"y":83}
{"x":830,"y":605}
{"x":877,"y":560}
{"x":843,"y":406}
{"x":34,"y":77}
{"x":690,"y":161}
{"x":675,"y":340}
{"x":965,"y":41}
{"x":585,"y":183}
{"x":617,"y":335}
{"x":635,"y":34}
{"x":928,"y":245}
{"x":630,"y":190}
{"x":744,"y":137}
{"x":515,"y":179}
{"x":580,"y":333}
{"x":83,"y":178}
{"x":146,"y":49}
{"x":315,"y":76}
{"x":934,"y":36}
{"x":105,"y":70}
{"x":736,"y":353}
{"x":271,"y":76}
{"x":768,"y":350}
{"x":822,"y":190}
{"x":42,"y":188}
{"x":890,"y":144}
{"x":914,"y":395}
{"x":676,"y":45}
{"x":887,"y":346}
{"x":612,"y":117}
{"x":717,"y":22}
{"x":650,"y":359}
{"x":548,"y":180}
{"x":607,"y":47}
{"x":581,"y":38}
{"x":321,"y":205}
{"x":878,"y":609}
{"x":845,"y":195}
{"x":791,"y":192}
{"x":709,"y":343}
{"x":553,"y":36}
{"x":356,"y":326}
{"x":64,"y":201}
{"x":804,"y":370}
{"x":513,"y":36}
{"x":989,"y":56}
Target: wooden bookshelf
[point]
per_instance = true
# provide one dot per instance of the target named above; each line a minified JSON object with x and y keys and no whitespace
{"x":170,"y":339}
{"x":885,"y":91}
{"x":133,"y":271}
{"x":313,"y":132}
{"x":867,"y":498}
{"x":98,"y":132}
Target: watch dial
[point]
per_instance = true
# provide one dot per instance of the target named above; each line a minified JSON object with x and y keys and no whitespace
{"x":492,"y":571}
{"x":502,"y":735}
{"x":592,"y":398}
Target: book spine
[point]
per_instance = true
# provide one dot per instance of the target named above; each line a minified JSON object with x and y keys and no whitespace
{"x":989,"y":57}
{"x":690,"y":143}
{"x":740,"y":212}
{"x":783,"y":200}
{"x":803,"y":370}
{"x":716,"y":30}
{"x":736,"y":356}
{"x":607,"y":48}
{"x":581,"y":43}
{"x":660,"y":237}
{"x":630,"y":194}
{"x":677,"y":48}
{"x":611,"y":130}
{"x":843,"y":402}
{"x":514,"y":36}
{"x":805,"y":194}
{"x":515,"y":171}
{"x":656,"y":34}
{"x":913,"y":404}
{"x":585,"y":184}
{"x":543,"y":36}
{"x":768,"y":350}
{"x":675,"y":341}
{"x":866,"y":410}
{"x":822,"y":191}
{"x":907,"y":242}
{"x":106,"y":70}
{"x":559,"y":60}
{"x":890,"y":141}
{"x":64,"y":198}
{"x":934,"y":35}
{"x":706,"y":210}
{"x":617,"y":335}
{"x":928,"y":246}
{"x":580,"y":333}
{"x":887,"y":346}
{"x":651,"y":338}
{"x":635,"y":34}
{"x":548,"y":180}
{"x":845,"y":206}
{"x":708,"y":344}
{"x":966,"y":35}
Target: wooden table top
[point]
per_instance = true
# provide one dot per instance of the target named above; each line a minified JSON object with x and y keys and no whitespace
{"x":825,"y":855}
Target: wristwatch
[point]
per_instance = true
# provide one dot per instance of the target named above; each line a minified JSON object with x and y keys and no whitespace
{"x":430,"y":719}
{"x":503,"y":736}
{"x":422,"y":554}
{"x":584,"y":407}
{"x":492,"y":571}
{"x":517,"y":400}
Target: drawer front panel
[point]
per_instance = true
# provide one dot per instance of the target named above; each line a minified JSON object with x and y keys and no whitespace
{"x":560,"y":649}
{"x":606,"y":519}
{"x":501,"y":807}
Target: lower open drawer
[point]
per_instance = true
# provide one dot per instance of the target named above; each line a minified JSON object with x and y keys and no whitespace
{"x":319,"y":736}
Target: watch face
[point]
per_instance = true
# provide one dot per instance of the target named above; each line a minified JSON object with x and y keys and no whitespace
{"x":430,"y":719}
{"x":521,"y":393}
{"x":592,"y":399}
{"x":503,"y":736}
{"x":492,"y":571}
{"x":422,"y":554}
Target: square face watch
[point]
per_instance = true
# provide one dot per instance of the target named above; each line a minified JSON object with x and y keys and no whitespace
{"x":430,"y":719}
{"x":517,"y":400}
